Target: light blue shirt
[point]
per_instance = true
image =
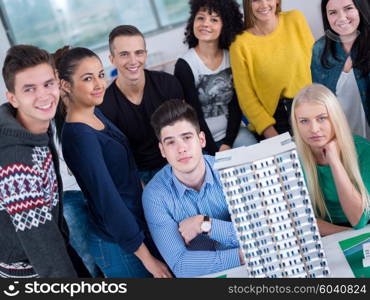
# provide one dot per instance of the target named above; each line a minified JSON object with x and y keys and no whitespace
{"x":167,"y":202}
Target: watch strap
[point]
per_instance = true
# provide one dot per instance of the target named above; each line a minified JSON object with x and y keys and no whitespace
{"x":206,"y":219}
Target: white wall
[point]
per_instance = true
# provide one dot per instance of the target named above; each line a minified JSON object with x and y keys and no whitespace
{"x":163,"y":47}
{"x":311,"y":9}
{"x":167,"y":46}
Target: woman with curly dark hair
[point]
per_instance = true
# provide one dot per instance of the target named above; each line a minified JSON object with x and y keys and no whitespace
{"x":205,"y":74}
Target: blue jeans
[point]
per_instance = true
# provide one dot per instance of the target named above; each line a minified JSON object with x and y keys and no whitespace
{"x":75,"y":213}
{"x":114,"y":261}
{"x":244,"y":138}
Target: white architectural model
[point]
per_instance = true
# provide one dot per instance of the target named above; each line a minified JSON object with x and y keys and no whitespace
{"x":271,"y":209}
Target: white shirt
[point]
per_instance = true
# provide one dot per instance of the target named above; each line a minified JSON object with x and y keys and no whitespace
{"x":215,"y":91}
{"x":69,"y":181}
{"x":349,"y":97}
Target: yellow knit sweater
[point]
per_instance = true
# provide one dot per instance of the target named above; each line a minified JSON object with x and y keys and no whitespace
{"x":267,"y":68}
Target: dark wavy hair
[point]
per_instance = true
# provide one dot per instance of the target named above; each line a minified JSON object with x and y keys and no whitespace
{"x":67,"y":60}
{"x":361,"y":46}
{"x":228,"y":10}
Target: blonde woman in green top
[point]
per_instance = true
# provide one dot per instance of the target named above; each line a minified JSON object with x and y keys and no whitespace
{"x":336,"y":163}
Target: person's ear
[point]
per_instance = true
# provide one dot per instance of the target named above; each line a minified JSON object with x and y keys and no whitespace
{"x":56,"y":72}
{"x":65,"y":86}
{"x":202,"y":139}
{"x":12,"y":99}
{"x":161,"y":149}
{"x":111,"y":58}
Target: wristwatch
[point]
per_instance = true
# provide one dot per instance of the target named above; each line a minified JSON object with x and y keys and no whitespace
{"x":206,"y":225}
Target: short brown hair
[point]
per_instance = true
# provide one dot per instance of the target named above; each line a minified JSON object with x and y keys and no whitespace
{"x":172,"y":111}
{"x":123,"y":30}
{"x":21,"y":57}
{"x":249,"y":20}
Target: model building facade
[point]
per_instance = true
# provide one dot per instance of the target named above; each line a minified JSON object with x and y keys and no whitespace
{"x":271,"y":210}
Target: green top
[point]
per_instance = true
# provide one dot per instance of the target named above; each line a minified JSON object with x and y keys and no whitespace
{"x":329,"y":190}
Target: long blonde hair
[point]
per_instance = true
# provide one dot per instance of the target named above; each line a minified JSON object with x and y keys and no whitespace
{"x":319,"y":94}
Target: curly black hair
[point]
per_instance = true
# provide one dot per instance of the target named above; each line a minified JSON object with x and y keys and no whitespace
{"x":230,"y":14}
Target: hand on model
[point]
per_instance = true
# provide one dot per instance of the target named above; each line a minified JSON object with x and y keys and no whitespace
{"x":190,"y":228}
{"x":270,"y":132}
{"x":224,"y":147}
{"x":241,"y":257}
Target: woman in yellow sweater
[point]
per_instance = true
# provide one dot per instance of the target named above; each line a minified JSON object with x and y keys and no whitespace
{"x":270,"y":63}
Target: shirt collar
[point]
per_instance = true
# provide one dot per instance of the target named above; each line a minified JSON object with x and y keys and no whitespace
{"x":181,"y":188}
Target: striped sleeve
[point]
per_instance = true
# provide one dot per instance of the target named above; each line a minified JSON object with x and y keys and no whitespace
{"x":164,"y":230}
{"x":224,"y":233}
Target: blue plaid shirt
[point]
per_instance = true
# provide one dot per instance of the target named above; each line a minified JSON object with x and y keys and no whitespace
{"x":167,"y":202}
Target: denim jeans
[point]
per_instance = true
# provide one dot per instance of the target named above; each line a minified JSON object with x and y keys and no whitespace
{"x":75,"y":213}
{"x":78,"y":264}
{"x":114,"y":261}
{"x":244,"y":138}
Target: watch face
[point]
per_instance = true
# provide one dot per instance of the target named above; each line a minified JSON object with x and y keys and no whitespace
{"x":206,"y":226}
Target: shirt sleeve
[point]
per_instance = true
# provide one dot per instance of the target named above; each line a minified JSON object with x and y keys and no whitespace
{"x":186,"y":78}
{"x":363,"y":221}
{"x":363,"y":149}
{"x":249,"y":103}
{"x":83,"y":155}
{"x":316,"y":66}
{"x":233,"y":121}
{"x":34,"y":224}
{"x":224,"y":233}
{"x":182,"y":261}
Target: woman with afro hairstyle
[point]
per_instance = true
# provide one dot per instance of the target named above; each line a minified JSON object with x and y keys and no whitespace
{"x":205,"y":74}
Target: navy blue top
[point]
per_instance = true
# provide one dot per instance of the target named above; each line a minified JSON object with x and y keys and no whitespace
{"x":104,"y":167}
